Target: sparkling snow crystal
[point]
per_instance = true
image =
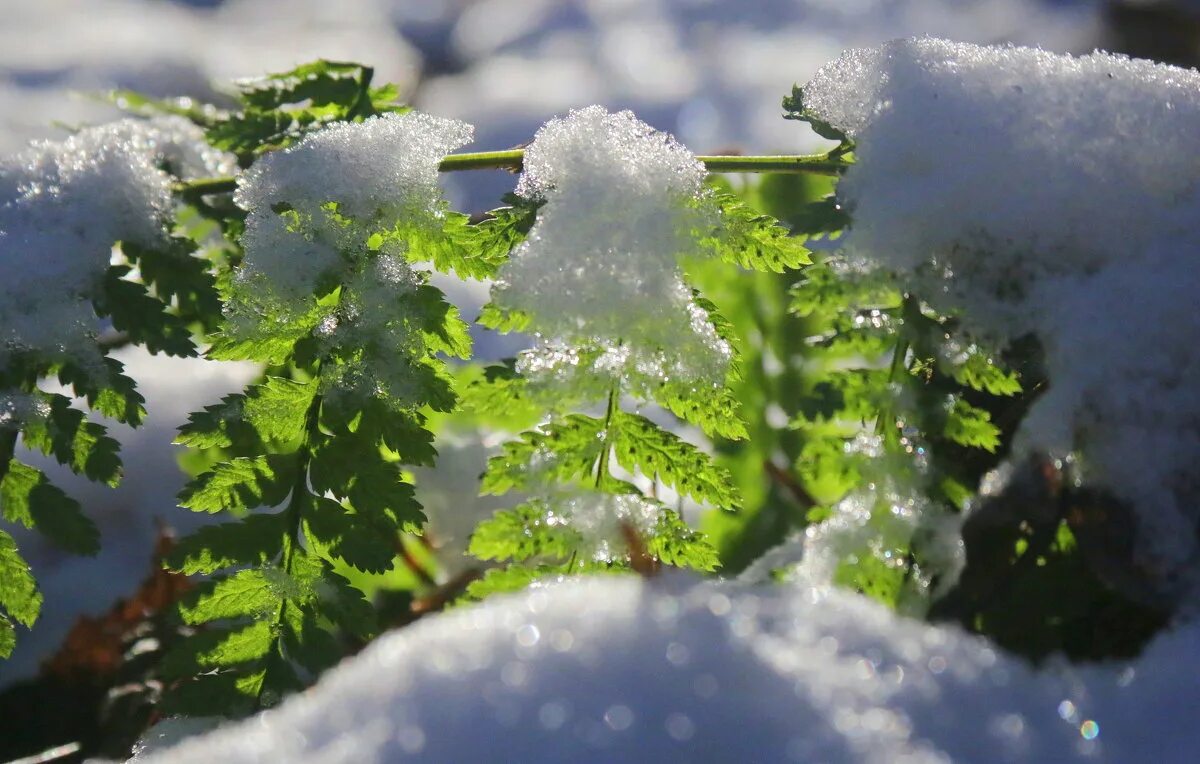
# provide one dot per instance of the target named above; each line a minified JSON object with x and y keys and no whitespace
{"x":600,"y":268}
{"x":1045,"y":194}
{"x":313,"y":208}
{"x":63,"y":205}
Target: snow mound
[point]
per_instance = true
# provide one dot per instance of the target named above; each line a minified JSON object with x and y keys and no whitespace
{"x":623,"y":669}
{"x":600,"y":268}
{"x":1045,"y":194}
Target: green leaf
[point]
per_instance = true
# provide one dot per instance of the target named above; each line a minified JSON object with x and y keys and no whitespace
{"x":850,"y":395}
{"x":346,"y":605}
{"x":498,"y":397}
{"x":476,"y":251}
{"x":247,"y":593}
{"x":440,"y":324}
{"x":829,"y":289}
{"x":278,"y":408}
{"x":674,"y":542}
{"x":752,"y":240}
{"x":28,"y":498}
{"x":238,"y":484}
{"x":513,"y":578}
{"x":255,"y":540}
{"x":8,"y":637}
{"x":332,"y":529}
{"x":971,"y":426}
{"x":976,"y":369}
{"x":503,"y":320}
{"x":352,"y":468}
{"x":75,"y":442}
{"x":522,"y":533}
{"x":110,"y":393}
{"x":714,"y":410}
{"x":272,"y":349}
{"x":826,"y":470}
{"x":217,"y":426}
{"x":179,"y":278}
{"x":310,"y":645}
{"x":873,"y":577}
{"x":219,"y":648}
{"x":661,"y":455}
{"x":404,"y":434}
{"x":19,"y":595}
{"x":227,"y":693}
{"x":564,"y":450}
{"x":145,"y":319}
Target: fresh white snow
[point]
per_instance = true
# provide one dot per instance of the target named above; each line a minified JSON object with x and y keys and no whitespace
{"x":670,"y":669}
{"x":1035,"y":193}
{"x":600,"y":268}
{"x":382,"y":173}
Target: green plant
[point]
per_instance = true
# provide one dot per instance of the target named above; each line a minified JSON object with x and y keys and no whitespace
{"x":837,"y":401}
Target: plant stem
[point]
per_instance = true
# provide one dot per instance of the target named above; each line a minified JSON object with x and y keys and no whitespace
{"x":512,"y":159}
{"x":885,"y":423}
{"x":291,"y":540}
{"x":606,"y":444}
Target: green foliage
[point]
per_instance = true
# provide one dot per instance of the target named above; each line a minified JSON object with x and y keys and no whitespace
{"x":661,"y":455}
{"x":844,"y":386}
{"x":20,"y":600}
{"x":752,"y":240}
{"x":280,"y":109}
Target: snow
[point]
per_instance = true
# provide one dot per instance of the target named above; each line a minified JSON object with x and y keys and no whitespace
{"x":63,"y":205}
{"x":383,"y":175}
{"x":600,"y":266}
{"x":667,"y":669}
{"x":1019,"y":188}
{"x":600,"y":520}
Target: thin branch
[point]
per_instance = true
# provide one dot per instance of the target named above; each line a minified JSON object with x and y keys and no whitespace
{"x":512,"y":159}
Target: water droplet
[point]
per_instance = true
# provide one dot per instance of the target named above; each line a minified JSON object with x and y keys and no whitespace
{"x":411,"y":739}
{"x":528,"y":635}
{"x":680,"y":727}
{"x":719,"y":605}
{"x":678,"y":654}
{"x":553,"y":715}
{"x":705,"y":686}
{"x":618,"y":718}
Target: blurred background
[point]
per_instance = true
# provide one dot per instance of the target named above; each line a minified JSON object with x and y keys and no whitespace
{"x":710,"y":71}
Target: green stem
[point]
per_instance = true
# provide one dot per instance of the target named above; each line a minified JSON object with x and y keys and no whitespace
{"x":291,"y":540}
{"x":606,"y":443}
{"x":513,"y":159}
{"x":885,"y":423}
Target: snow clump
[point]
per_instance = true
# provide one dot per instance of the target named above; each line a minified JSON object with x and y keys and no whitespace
{"x":1034,"y":193}
{"x":63,"y":205}
{"x":313,"y":209}
{"x":667,"y":669}
{"x":599,"y":273}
